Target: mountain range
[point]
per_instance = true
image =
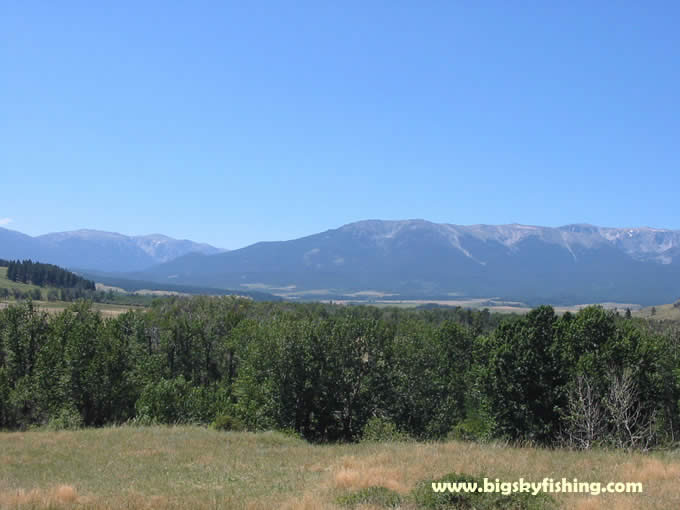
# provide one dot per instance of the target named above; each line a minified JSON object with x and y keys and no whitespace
{"x":96,"y":250}
{"x":415,"y":258}
{"x":565,"y":265}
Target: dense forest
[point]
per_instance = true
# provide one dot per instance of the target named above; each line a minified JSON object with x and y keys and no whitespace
{"x":44,"y":275}
{"x":333,"y":373}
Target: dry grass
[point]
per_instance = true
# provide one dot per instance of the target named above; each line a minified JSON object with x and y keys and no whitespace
{"x":193,"y":467}
{"x":106,"y":309}
{"x":661,"y":312}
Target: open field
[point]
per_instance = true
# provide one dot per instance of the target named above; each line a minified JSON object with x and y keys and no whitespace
{"x":475,"y":303}
{"x":106,"y":309}
{"x":193,"y":467}
{"x":492,"y":304}
{"x":660,"y":312}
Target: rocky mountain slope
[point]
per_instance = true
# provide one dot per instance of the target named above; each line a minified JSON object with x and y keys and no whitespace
{"x":570,"y":264}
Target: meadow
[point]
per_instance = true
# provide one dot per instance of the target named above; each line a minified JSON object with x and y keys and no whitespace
{"x":173,"y":467}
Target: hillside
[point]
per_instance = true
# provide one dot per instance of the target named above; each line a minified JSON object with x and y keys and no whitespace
{"x":566,"y":265}
{"x":111,"y":306}
{"x":660,"y":312}
{"x":6,"y":283}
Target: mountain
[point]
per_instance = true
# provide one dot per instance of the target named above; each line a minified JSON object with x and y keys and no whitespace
{"x":564,"y":265}
{"x":96,"y":250}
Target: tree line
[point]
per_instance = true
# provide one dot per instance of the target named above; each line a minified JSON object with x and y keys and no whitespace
{"x":331,"y":373}
{"x":36,"y":273}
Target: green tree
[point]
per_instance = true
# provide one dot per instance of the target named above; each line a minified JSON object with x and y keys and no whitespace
{"x":524,"y":383}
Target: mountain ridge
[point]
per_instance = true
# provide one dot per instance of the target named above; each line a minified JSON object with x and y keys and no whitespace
{"x":571,"y":263}
{"x":88,"y":249}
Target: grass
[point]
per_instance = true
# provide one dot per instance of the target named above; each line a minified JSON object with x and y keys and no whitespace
{"x":660,"y":312}
{"x":106,"y":309}
{"x":195,"y":467}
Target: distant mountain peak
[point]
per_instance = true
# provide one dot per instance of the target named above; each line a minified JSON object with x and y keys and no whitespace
{"x":99,"y":250}
{"x":573,"y":263}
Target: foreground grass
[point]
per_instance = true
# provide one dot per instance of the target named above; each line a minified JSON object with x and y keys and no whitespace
{"x":194,"y":467}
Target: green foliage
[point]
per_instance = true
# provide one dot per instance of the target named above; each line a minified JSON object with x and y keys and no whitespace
{"x":475,"y":427}
{"x":27,"y":271}
{"x":317,"y":377}
{"x":65,"y":419}
{"x":425,"y":497}
{"x":227,"y":422}
{"x":325,"y":373}
{"x":175,"y":401}
{"x":380,"y":430}
{"x":524,"y":379}
{"x":377,"y":496}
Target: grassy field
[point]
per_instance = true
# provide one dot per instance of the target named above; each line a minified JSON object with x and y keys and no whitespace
{"x":199,"y":468}
{"x":106,"y":309}
{"x":659,"y":312}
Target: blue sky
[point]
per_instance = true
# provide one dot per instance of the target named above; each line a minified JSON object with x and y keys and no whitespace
{"x":230,"y":124}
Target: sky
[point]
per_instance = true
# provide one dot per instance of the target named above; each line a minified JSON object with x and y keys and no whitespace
{"x":232,"y":123}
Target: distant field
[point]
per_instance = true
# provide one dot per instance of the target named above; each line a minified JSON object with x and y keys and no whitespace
{"x":492,"y":304}
{"x":479,"y":303}
{"x":660,"y":312}
{"x":198,"y":468}
{"x":107,"y":309}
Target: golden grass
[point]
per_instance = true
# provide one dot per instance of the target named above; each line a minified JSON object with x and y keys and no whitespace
{"x":194,"y":467}
{"x":661,"y":312}
{"x":63,"y":494}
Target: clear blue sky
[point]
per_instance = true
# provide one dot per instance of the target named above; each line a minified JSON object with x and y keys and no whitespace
{"x":230,"y":124}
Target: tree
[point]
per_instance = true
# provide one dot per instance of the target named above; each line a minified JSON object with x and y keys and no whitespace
{"x":585,"y":419}
{"x":633,"y":426}
{"x":524,"y":382}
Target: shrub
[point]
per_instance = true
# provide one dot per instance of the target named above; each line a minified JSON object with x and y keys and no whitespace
{"x":380,"y":429}
{"x":142,"y":420}
{"x":228,"y":422}
{"x":474,"y":428}
{"x":378,"y":496}
{"x":291,"y":432}
{"x":66,"y":419}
